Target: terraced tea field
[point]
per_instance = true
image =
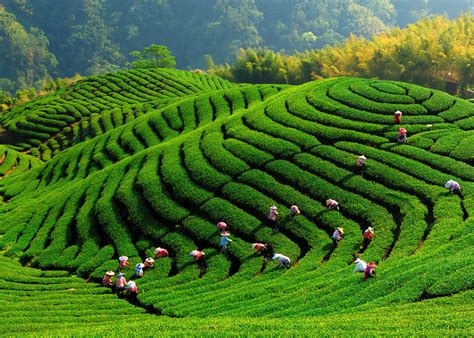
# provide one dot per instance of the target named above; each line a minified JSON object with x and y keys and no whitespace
{"x":122,"y":163}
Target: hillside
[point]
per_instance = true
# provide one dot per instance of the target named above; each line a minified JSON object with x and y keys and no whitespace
{"x":121,"y":163}
{"x":94,"y":37}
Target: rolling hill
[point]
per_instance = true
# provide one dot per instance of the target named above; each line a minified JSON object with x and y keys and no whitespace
{"x":121,"y":163}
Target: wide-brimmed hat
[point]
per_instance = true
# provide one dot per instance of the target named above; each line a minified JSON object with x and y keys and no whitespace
{"x":341,"y":230}
{"x":120,"y":274}
{"x":131,"y":284}
{"x":110,"y":273}
{"x":140,"y":265}
{"x":150,"y":260}
{"x":402,"y":130}
{"x":398,"y":112}
{"x":363,"y":157}
{"x":370,"y":229}
{"x":225,"y":234}
{"x":221,"y":224}
{"x":276,"y":256}
{"x":273,"y":207}
{"x":157,"y":250}
{"x":372,"y":264}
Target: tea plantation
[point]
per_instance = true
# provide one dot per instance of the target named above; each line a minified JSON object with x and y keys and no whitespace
{"x":121,"y":163}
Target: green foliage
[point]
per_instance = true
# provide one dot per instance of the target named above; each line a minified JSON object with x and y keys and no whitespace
{"x":98,"y":36}
{"x":26,"y":59}
{"x":123,"y":174}
{"x":152,"y":57}
{"x":392,"y":55}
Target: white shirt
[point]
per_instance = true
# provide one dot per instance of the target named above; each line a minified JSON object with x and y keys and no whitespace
{"x":360,"y":266}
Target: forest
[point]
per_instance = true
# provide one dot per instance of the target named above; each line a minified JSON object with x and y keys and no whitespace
{"x":45,"y":39}
{"x":433,"y":52}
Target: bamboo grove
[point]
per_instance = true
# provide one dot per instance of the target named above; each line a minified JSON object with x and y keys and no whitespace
{"x":427,"y":53}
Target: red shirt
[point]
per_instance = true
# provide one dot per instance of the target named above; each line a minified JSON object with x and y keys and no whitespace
{"x":162,"y":253}
{"x":198,"y":255}
{"x":368,"y":235}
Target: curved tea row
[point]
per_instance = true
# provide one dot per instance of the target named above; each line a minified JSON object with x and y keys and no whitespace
{"x":166,"y":176}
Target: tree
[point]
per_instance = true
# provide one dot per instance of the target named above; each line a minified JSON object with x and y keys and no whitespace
{"x":25,"y":59}
{"x":424,"y":53}
{"x":153,"y":56}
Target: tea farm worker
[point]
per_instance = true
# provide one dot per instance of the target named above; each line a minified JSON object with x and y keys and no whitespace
{"x":294,"y":211}
{"x":370,"y":270}
{"x":397,"y":117}
{"x":360,"y":163}
{"x":337,"y":235}
{"x":402,"y":135}
{"x":160,"y":252}
{"x":224,"y":242}
{"x":149,"y":262}
{"x":360,"y":265}
{"x":453,"y":186}
{"x":282,"y":260}
{"x":332,"y":204}
{"x":197,"y":255}
{"x":221,"y":226}
{"x":272,"y":214}
{"x":368,"y":235}
{"x":259,"y":247}
{"x":107,"y":280}
{"x":121,"y":282}
{"x":139,"y":270}
{"x":123,"y":262}
{"x":132,"y":287}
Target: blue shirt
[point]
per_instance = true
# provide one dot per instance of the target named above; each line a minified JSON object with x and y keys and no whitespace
{"x":225,"y":240}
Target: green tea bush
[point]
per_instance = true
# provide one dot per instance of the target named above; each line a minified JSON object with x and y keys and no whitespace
{"x":121,"y":163}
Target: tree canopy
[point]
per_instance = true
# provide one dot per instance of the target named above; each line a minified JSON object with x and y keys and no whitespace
{"x":427,"y":53}
{"x":97,"y":36}
{"x":25,"y":58}
{"x":153,"y":56}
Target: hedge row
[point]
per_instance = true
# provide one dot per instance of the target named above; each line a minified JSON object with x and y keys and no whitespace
{"x":412,"y":212}
{"x":442,"y":163}
{"x":259,"y":121}
{"x":388,"y":87}
{"x":364,"y":89}
{"x":199,"y":169}
{"x":212,"y":147}
{"x":272,"y":145}
{"x":341,"y":92}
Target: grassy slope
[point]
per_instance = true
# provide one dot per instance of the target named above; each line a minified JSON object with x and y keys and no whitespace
{"x":140,"y":171}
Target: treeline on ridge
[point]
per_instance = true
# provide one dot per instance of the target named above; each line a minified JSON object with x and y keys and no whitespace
{"x":50,"y":38}
{"x":430,"y":53}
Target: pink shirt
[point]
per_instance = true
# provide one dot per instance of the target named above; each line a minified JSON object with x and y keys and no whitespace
{"x":121,"y":282}
{"x":273,"y":215}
